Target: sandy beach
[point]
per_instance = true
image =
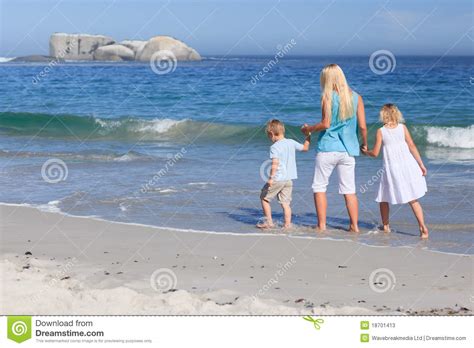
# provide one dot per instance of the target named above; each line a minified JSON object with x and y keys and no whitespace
{"x":52,"y":263}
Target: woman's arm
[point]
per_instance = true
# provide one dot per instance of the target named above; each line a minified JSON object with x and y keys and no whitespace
{"x":414,"y":150}
{"x":378,"y":144}
{"x":361,"y":122}
{"x":323,"y":125}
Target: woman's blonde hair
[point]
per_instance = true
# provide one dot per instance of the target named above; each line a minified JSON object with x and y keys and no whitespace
{"x":332,"y":79}
{"x":389,"y":113}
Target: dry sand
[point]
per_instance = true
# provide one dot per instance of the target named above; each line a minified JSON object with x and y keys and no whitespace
{"x":52,"y":263}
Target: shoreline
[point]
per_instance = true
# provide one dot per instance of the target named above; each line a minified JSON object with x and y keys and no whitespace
{"x":115,"y":265}
{"x":42,"y":208}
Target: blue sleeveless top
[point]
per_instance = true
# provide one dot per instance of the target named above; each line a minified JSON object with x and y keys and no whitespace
{"x":341,"y":136}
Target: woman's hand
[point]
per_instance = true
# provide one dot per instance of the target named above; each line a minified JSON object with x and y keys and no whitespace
{"x":305,"y":129}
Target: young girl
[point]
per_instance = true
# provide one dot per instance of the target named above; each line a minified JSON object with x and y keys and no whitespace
{"x":403,"y":175}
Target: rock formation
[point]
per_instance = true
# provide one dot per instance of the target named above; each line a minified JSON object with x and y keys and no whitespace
{"x":134,"y":45}
{"x":114,"y":53}
{"x":76,"y":46}
{"x":166,"y":43}
{"x":104,"y":48}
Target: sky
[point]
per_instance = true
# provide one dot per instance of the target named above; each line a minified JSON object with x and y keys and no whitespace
{"x":249,"y":27}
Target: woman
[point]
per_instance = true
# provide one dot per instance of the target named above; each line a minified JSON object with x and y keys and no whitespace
{"x":338,"y":144}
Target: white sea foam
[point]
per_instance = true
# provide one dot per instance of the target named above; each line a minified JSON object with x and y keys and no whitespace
{"x":6,"y":59}
{"x":457,"y":137}
{"x":50,"y":207}
{"x":157,"y":125}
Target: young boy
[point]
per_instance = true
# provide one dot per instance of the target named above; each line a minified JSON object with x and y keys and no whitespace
{"x":283,"y":171}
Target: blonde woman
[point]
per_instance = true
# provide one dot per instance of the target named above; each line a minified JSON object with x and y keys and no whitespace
{"x":403,"y":175}
{"x":343,"y":116}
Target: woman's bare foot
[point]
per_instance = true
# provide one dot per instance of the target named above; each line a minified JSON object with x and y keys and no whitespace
{"x":424,"y":233}
{"x":353,"y":228}
{"x":265,"y":225}
{"x":386,"y":228}
{"x":320,"y":229}
{"x":287,"y":226}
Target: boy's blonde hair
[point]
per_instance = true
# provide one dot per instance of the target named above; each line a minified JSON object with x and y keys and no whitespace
{"x":332,"y":79}
{"x":390,"y":114}
{"x":276,"y":127}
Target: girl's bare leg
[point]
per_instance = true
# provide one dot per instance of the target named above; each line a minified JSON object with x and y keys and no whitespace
{"x":352,"y":206}
{"x":385,"y":213}
{"x":321,"y":204}
{"x":418,"y":211}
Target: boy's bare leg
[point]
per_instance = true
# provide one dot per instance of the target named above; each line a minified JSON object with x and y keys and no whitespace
{"x":267,"y":212}
{"x":385,"y":213}
{"x":418,"y":211}
{"x":352,"y":206}
{"x":287,"y":214}
{"x":321,"y":204}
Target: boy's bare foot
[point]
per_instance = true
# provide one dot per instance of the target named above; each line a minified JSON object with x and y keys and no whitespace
{"x":354,"y":229}
{"x":386,"y":228}
{"x":424,"y":233}
{"x":287,"y":226}
{"x":265,"y":225}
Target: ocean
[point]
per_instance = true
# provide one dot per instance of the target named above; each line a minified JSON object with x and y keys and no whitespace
{"x":187,"y":149}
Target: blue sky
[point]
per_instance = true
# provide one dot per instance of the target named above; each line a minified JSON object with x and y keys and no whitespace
{"x":239,"y":27}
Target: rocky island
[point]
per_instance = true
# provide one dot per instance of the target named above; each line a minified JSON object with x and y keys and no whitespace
{"x":86,"y":47}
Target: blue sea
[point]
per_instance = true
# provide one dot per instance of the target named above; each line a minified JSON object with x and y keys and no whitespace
{"x":186,"y":149}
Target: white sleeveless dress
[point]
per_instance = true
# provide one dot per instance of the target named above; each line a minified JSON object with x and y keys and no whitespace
{"x":401,"y":180}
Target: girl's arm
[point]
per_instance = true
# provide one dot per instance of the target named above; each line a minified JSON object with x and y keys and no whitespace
{"x":414,"y":150}
{"x":323,"y":125}
{"x":361,"y":122}
{"x":378,"y":144}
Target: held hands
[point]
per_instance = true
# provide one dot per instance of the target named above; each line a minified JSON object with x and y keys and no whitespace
{"x":305,"y":130}
{"x":364,"y":149}
{"x":270,"y":182}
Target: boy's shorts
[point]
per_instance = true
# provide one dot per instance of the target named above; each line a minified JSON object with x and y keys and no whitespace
{"x":280,"y":189}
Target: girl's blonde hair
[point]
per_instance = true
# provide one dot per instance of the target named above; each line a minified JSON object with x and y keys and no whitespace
{"x":332,"y":79}
{"x":390,"y":114}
